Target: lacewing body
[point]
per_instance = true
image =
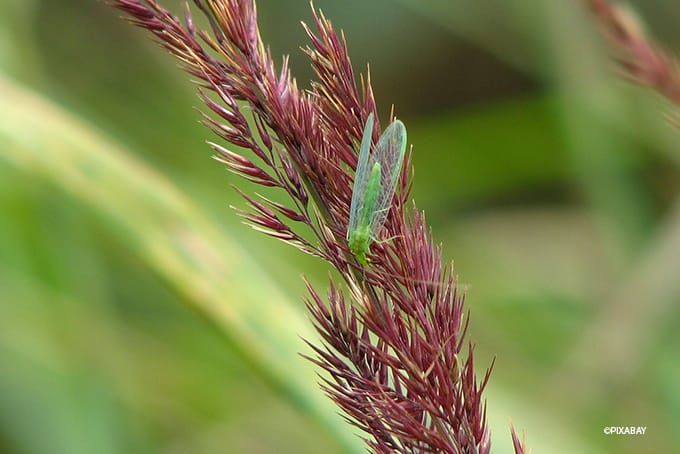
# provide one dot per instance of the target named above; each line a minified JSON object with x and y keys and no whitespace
{"x":375,"y":181}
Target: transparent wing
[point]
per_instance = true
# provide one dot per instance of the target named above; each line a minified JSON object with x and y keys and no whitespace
{"x":361,"y":176}
{"x":389,"y":153}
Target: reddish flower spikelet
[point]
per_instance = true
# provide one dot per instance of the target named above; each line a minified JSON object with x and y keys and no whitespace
{"x":641,"y":60}
{"x":393,"y":350}
{"x":519,"y":445}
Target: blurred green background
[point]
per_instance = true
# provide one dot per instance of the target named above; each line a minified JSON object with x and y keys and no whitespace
{"x":138,"y":315}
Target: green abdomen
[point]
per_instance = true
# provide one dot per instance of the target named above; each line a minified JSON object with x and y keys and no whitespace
{"x":360,"y":239}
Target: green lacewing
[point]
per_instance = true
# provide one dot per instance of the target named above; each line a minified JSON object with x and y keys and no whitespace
{"x":375,"y":180}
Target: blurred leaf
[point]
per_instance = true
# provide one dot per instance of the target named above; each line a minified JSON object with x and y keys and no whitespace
{"x":546,"y":431}
{"x":63,"y":407}
{"x":42,"y":386}
{"x":493,"y":150}
{"x":614,"y":347}
{"x":170,"y":381}
{"x":173,"y":236}
{"x":518,"y":252}
{"x":17,"y":47}
{"x":521,"y":33}
{"x":505,"y":29}
{"x":667,"y":380}
{"x":603,"y":158}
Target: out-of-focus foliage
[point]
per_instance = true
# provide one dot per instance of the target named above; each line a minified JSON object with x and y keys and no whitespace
{"x":167,"y":231}
{"x":551,"y":184}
